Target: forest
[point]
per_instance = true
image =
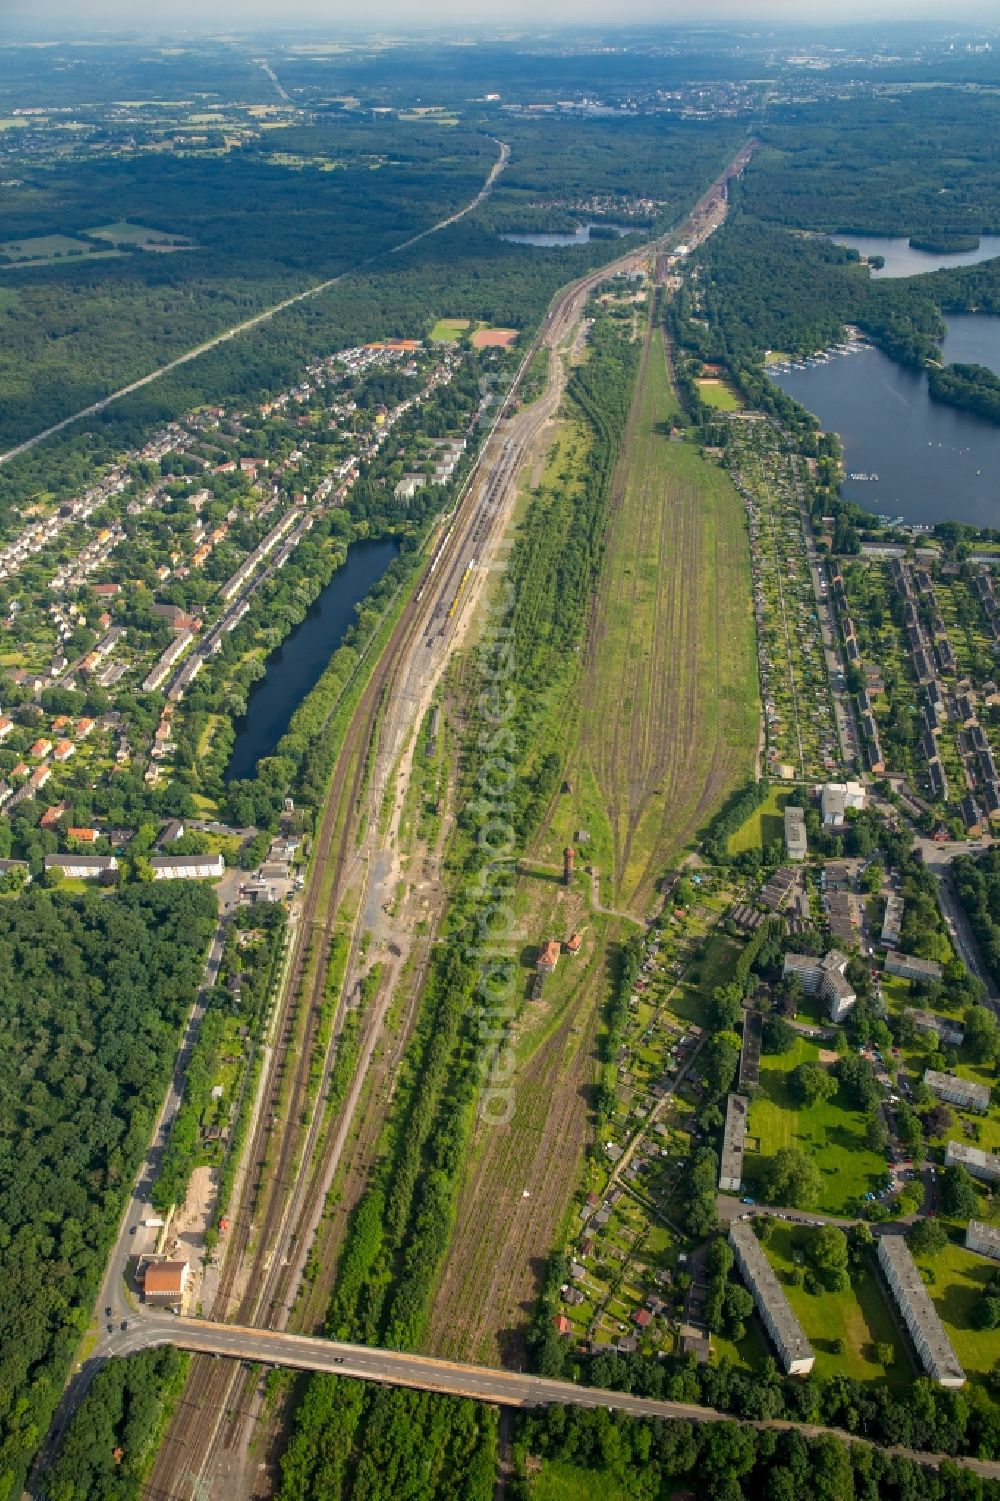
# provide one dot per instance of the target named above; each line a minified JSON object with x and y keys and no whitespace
{"x":649,"y":1459}
{"x":94,"y":995}
{"x":894,"y":161}
{"x":111,"y":1439}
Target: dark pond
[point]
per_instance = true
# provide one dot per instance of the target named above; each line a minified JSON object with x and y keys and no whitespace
{"x":294,"y":668}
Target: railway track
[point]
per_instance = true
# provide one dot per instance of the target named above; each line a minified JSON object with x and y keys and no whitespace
{"x":276,"y":1208}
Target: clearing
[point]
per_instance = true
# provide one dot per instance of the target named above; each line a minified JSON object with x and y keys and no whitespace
{"x":448,"y":330}
{"x":766,"y":824}
{"x":715,"y":393}
{"x":124,"y":233}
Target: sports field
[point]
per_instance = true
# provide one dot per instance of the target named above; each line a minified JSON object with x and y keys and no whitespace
{"x":830,"y":1132}
{"x":448,"y":330}
{"x":671,"y":708}
{"x":715,"y":393}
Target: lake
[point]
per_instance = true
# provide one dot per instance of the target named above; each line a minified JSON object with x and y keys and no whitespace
{"x":933,"y":462}
{"x":294,"y":668}
{"x":580,"y":237}
{"x":902,"y":260}
{"x":972,"y":339}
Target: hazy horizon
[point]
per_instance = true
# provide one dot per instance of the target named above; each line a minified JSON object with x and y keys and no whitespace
{"x":80,"y":17}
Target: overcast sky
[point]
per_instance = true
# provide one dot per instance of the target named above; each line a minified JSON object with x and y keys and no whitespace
{"x":165,"y":15}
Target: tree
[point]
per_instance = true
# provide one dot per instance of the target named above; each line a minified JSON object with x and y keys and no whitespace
{"x":720,"y":1060}
{"x":726,"y":1010}
{"x":986,"y":1313}
{"x":778,"y":1036}
{"x":811,"y":1082}
{"x":982,"y":1034}
{"x":790,"y":1177}
{"x":927,"y":1237}
{"x":828,"y":1255}
{"x":959,"y":1199}
{"x":885,"y":1353}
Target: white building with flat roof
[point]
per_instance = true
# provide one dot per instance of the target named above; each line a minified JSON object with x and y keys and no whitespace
{"x":980,"y":1164}
{"x":826,"y":978}
{"x":960,"y":1092}
{"x":796,"y":843}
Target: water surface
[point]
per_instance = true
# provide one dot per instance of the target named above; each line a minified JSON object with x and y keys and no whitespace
{"x":579,"y":237}
{"x":933,"y":462}
{"x":972,"y":339}
{"x":294,"y":668}
{"x":902,"y":260}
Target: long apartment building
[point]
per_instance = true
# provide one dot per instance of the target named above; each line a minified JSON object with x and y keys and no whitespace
{"x":794,"y":1351}
{"x":956,"y":1091}
{"x":734,"y":1137}
{"x":918,"y":1312}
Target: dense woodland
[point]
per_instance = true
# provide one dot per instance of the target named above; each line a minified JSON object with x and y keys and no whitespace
{"x":978,"y":884}
{"x":95,"y":990}
{"x":650,"y":1460}
{"x":111,"y":1439}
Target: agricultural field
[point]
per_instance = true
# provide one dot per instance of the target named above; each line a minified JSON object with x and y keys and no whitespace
{"x":800,"y":725}
{"x":858,"y":1314}
{"x":830,"y":1132}
{"x":669,"y":709}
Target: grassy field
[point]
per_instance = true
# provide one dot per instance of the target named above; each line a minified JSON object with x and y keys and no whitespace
{"x":859,"y":1315}
{"x":42,"y":247}
{"x":716,"y":393}
{"x":959,"y":1277}
{"x":829,"y":1132}
{"x":765,"y":824}
{"x":559,"y":1481}
{"x":448,"y":330}
{"x":123,"y":233}
{"x":670,"y":707}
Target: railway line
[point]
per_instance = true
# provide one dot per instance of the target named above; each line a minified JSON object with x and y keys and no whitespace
{"x":289,"y":1166}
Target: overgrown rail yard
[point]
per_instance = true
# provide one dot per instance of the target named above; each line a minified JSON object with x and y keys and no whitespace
{"x":747,"y":1069}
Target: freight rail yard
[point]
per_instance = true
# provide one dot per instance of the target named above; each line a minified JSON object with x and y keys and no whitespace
{"x":293,"y":1149}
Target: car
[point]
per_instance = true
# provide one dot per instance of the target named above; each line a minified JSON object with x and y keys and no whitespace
{"x":111,"y":1328}
{"x":124,"y":1325}
{"x":107,"y":1311}
{"x":338,"y":1360}
{"x":746,"y":1201}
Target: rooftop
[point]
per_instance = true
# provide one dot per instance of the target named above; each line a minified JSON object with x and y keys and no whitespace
{"x":939,"y":1358}
{"x":769,"y":1289}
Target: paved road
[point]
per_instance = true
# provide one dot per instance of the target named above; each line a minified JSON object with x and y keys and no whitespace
{"x":425,"y":1373}
{"x":937,"y":858}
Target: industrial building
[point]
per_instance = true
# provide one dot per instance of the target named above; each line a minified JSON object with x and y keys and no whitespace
{"x":919,"y":1314}
{"x":794,"y":1350}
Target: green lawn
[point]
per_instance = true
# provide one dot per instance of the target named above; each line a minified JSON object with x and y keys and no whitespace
{"x":859,"y":1315}
{"x":765,"y":824}
{"x":959,"y":1278}
{"x":717,"y":394}
{"x":559,"y":1481}
{"x":122,"y":233}
{"x":830,"y":1132}
{"x":37,"y":247}
{"x":448,"y":330}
